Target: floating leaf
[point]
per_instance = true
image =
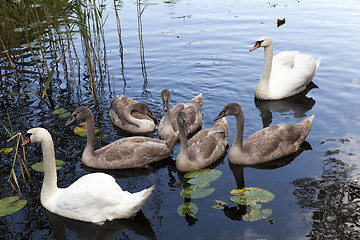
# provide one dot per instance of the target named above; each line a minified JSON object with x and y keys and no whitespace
{"x":40,"y":165}
{"x":251,"y":196}
{"x":81,"y":130}
{"x":219,"y":204}
{"x":197,"y":191}
{"x":10,"y":205}
{"x":65,"y":115}
{"x":187,"y":208}
{"x":256,"y":214}
{"x":5,"y":151}
{"x":59,"y":111}
{"x":280,"y":22}
{"x":203,"y":176}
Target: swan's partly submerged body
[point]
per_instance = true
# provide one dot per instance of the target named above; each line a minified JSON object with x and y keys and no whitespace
{"x":193,"y":109}
{"x":285,"y":74}
{"x":130,"y":152}
{"x":267,"y":144}
{"x":204,"y":148}
{"x":131,"y":116}
{"x":95,"y":197}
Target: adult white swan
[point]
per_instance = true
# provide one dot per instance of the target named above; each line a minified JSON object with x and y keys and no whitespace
{"x":284,"y":74}
{"x":95,"y":197}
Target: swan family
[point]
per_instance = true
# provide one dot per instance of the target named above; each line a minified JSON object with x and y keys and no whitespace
{"x":96,"y":197}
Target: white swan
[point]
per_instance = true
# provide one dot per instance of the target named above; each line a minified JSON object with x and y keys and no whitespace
{"x":95,"y":197}
{"x":168,"y":125}
{"x":267,"y":144}
{"x":204,"y":148}
{"x":285,"y":74}
{"x":130,"y":152}
{"x":131,"y":116}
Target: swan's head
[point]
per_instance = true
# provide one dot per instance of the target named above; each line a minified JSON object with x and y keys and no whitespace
{"x":144,"y":109}
{"x":79,"y":113}
{"x":262,"y":42}
{"x":182,"y":120}
{"x":36,"y":135}
{"x":165,"y":97}
{"x":229,"y":109}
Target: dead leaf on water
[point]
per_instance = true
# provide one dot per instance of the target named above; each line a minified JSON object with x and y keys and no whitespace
{"x":280,"y":22}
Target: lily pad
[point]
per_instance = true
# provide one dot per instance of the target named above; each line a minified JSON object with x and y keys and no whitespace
{"x":65,"y":115}
{"x":203,"y":176}
{"x":59,"y":111}
{"x":5,"y":151}
{"x":187,"y":208}
{"x":81,"y":130}
{"x":251,"y":196}
{"x":10,"y":205}
{"x":219,"y":204}
{"x":40,"y":165}
{"x":257,"y":214}
{"x":197,"y":191}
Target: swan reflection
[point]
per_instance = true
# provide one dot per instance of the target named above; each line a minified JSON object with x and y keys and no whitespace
{"x":139,"y":225}
{"x":298,"y":104}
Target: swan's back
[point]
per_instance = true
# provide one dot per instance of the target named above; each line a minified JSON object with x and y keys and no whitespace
{"x":96,"y":197}
{"x":130,"y":152}
{"x":117,"y":117}
{"x":276,"y":141}
{"x":291,"y":72}
{"x":208,"y":145}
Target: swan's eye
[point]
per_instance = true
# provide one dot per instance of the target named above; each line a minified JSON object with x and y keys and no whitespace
{"x":259,"y":42}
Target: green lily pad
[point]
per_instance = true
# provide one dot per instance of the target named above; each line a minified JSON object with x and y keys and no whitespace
{"x":81,"y":130}
{"x":197,"y":191}
{"x":257,"y":214}
{"x":219,"y":204}
{"x":5,"y":151}
{"x":187,"y":208}
{"x":10,"y":205}
{"x":40,"y":165}
{"x":203,"y":176}
{"x":59,"y":111}
{"x":65,"y":115}
{"x":251,"y":196}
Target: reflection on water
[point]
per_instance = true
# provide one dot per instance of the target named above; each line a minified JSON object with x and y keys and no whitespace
{"x":298,"y":104}
{"x":139,"y":225}
{"x":333,"y":199}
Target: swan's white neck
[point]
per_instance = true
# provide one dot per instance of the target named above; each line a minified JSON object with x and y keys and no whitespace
{"x":183,"y":159}
{"x":141,"y":123}
{"x":49,"y":186}
{"x":263,"y":84}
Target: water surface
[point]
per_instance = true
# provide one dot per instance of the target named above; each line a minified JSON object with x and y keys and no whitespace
{"x":196,"y":46}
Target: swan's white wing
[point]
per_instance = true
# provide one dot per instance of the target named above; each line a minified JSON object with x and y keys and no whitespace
{"x":282,"y":63}
{"x":291,"y":73}
{"x":90,"y":197}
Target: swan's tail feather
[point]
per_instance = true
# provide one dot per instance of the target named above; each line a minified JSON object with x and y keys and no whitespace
{"x":222,"y":122}
{"x":318,"y":64}
{"x":306,"y":126}
{"x":198,"y":99}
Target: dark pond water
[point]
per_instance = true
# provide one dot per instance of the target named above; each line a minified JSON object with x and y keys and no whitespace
{"x":202,"y":46}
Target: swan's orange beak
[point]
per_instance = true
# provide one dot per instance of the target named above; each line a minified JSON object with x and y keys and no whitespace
{"x":26,"y":141}
{"x":257,"y":45}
